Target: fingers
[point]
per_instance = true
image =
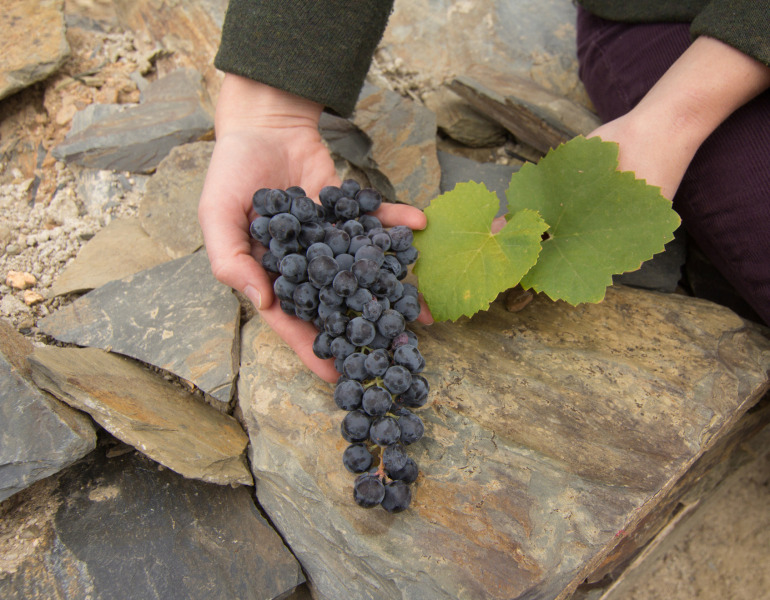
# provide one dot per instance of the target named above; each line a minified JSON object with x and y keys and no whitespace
{"x":299,"y":336}
{"x":401,"y":214}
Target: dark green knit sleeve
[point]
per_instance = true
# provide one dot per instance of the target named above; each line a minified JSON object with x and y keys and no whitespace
{"x":317,"y":49}
{"x":743,"y":24}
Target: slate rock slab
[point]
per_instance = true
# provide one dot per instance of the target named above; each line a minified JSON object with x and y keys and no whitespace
{"x":442,"y":39}
{"x":33,"y":44}
{"x":163,"y":421}
{"x":104,"y":257}
{"x":38,"y":434}
{"x":550,"y":431}
{"x":136,"y":137}
{"x":175,"y":316}
{"x":403,"y":138}
{"x":169,"y":208}
{"x":115,"y":526}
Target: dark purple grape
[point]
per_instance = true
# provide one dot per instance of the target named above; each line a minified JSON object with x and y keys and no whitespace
{"x":409,"y":306}
{"x":345,"y":284}
{"x":336,"y":323}
{"x":346,"y":208}
{"x":391,"y":323}
{"x":303,"y":208}
{"x":417,"y":394}
{"x":321,"y":345}
{"x":284,"y":227}
{"x":329,"y":196}
{"x":370,"y":222}
{"x":368,"y":199}
{"x":270,"y":262}
{"x":348,"y":395}
{"x":345,"y":261}
{"x":295,"y":192}
{"x":408,"y":474}
{"x":398,"y":496}
{"x":353,"y":228}
{"x":355,"y":426}
{"x":394,"y":457}
{"x":385,"y":431}
{"x":360,"y":332}
{"x":371,"y":252}
{"x":337,"y":240}
{"x":412,"y":427}
{"x":372,"y":310}
{"x":357,"y":242}
{"x":368,"y":490}
{"x":322,"y":270}
{"x":397,"y":379}
{"x":376,"y":401}
{"x":401,"y":238}
{"x":408,"y":256}
{"x":366,"y":271}
{"x":358,"y":299}
{"x":341,"y":348}
{"x":284,"y":289}
{"x":311,"y":233}
{"x":259,"y":231}
{"x":293,"y":268}
{"x":377,"y":362}
{"x":258,"y":201}
{"x":318,"y":249}
{"x":357,"y":458}
{"x":409,"y":357}
{"x":306,"y":296}
{"x":353,"y":366}
{"x":277,"y":201}
{"x":350,"y":187}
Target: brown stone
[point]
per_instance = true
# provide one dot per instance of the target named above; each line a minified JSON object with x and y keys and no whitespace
{"x":161,"y":420}
{"x":32,"y":42}
{"x":551,"y":433}
{"x":20,"y":280}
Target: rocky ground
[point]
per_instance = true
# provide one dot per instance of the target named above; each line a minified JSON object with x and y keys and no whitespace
{"x":52,"y":205}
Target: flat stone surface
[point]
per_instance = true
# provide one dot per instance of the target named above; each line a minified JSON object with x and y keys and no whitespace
{"x":169,"y":208}
{"x":458,"y":120}
{"x":403,"y":136}
{"x":175,"y":316}
{"x":136,"y":137}
{"x":32,"y":42}
{"x":38,"y":434}
{"x":118,"y":526}
{"x":530,"y":112}
{"x":104,"y":257}
{"x":549,"y":433}
{"x":442,"y":39}
{"x":163,"y":421}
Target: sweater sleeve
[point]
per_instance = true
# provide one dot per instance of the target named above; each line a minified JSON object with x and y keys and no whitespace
{"x":318,"y":49}
{"x":743,"y":24}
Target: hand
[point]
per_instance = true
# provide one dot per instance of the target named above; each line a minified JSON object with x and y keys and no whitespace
{"x":659,"y":137}
{"x":268,"y":138}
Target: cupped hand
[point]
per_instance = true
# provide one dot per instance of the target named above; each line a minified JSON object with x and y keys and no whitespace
{"x":267,"y":138}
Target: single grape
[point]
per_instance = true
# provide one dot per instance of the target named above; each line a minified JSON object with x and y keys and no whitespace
{"x":376,"y":401}
{"x":398,"y":496}
{"x":341,"y":348}
{"x":284,"y":227}
{"x":417,"y":394}
{"x":346,"y":208}
{"x":391,"y":323}
{"x":322,"y":270}
{"x":336,"y":323}
{"x":372,"y":310}
{"x":328,"y":296}
{"x":412,"y":427}
{"x":358,"y":299}
{"x":284,"y":289}
{"x":318,"y":249}
{"x":408,"y":256}
{"x":371,"y":252}
{"x":368,"y":199}
{"x":345,"y":261}
{"x":394,"y":457}
{"x":281,"y":249}
{"x":368,"y":490}
{"x":277,"y":201}
{"x":355,"y":426}
{"x":381,"y":240}
{"x":306,"y":296}
{"x":303,"y":208}
{"x":401,"y":238}
{"x":329,"y":196}
{"x":295,"y":191}
{"x":348,"y":394}
{"x":258,"y":201}
{"x":350,"y":188}
{"x":408,"y":474}
{"x":377,"y":362}
{"x":353,"y":228}
{"x":386,"y":285}
{"x":337,"y":240}
{"x":311,"y":233}
{"x":409,"y":306}
{"x":366,"y":271}
{"x":369,"y":222}
{"x":270,"y":262}
{"x":357,"y":242}
{"x":321,"y":345}
{"x":345,"y":283}
{"x":259,"y":231}
{"x":385,"y":431}
{"x":293,"y":267}
{"x":397,"y":379}
{"x":353,"y":366}
{"x":357,"y":458}
{"x":410,"y":358}
{"x":360,"y":332}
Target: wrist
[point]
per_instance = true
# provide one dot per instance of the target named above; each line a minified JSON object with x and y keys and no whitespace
{"x":247,"y":103}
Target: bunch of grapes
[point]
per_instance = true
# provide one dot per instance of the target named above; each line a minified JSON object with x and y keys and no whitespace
{"x":340,"y":269}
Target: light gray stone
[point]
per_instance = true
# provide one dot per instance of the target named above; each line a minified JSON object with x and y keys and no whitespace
{"x":104,"y":258}
{"x":33,"y":44}
{"x":118,"y":526}
{"x":136,"y":137}
{"x":38,"y":434}
{"x":442,"y":39}
{"x":403,"y":137}
{"x":169,"y":208}
{"x":175,"y":316}
{"x":551,"y":434}
{"x":139,"y":407}
{"x":458,"y":120}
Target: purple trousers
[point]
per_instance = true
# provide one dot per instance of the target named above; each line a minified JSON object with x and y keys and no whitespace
{"x":724,"y":198}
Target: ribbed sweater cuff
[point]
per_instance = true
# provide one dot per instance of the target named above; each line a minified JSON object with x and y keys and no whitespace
{"x":743,"y":24}
{"x":318,"y":49}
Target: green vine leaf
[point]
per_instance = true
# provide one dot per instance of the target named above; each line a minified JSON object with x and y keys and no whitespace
{"x":602,"y":221}
{"x":463,"y":266}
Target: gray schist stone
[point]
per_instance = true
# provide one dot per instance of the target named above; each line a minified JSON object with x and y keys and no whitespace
{"x":458,"y":169}
{"x":104,"y":257}
{"x":116,"y":526}
{"x":441,"y":39}
{"x":136,"y":137}
{"x":403,"y":136}
{"x":138,"y":406}
{"x":169,"y":208}
{"x":38,"y":434}
{"x":175,"y":316}
{"x":551,"y":434}
{"x":33,"y":44}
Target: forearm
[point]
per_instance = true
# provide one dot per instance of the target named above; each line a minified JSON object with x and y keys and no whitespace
{"x":700,"y":90}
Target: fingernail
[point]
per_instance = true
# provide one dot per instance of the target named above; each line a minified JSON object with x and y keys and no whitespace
{"x":253,"y":295}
